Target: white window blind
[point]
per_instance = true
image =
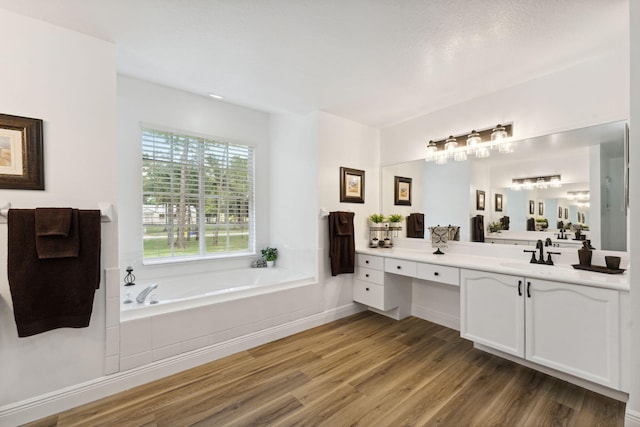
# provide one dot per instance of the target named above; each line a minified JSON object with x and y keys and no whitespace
{"x":198,"y":196}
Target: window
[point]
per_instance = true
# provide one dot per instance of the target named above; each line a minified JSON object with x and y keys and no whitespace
{"x":197,"y":198}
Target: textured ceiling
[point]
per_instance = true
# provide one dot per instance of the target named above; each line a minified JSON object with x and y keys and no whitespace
{"x":373,"y":61}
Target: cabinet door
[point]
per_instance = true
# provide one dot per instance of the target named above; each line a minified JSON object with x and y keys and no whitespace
{"x":574,"y":329}
{"x":492,"y":310}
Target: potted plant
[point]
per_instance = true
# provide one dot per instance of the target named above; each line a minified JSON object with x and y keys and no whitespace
{"x":270,"y":255}
{"x":395,"y":220}
{"x":376,"y":220}
{"x":495,"y":227}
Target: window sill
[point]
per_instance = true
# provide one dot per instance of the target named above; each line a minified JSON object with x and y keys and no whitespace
{"x":195,"y":259}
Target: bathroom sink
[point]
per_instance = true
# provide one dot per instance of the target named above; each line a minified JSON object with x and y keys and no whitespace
{"x":538,"y":268}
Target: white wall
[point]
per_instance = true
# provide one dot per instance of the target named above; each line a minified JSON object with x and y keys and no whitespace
{"x":343,"y":142}
{"x":293,"y":191}
{"x":143,"y":102}
{"x":633,"y":406}
{"x":69,"y":81}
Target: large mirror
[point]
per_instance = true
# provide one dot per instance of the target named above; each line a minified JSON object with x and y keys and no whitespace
{"x":591,"y":197}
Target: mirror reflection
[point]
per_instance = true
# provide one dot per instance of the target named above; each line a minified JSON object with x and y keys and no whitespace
{"x":588,"y":203}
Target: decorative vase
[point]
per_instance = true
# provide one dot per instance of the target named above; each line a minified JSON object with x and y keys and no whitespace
{"x":270,"y":263}
{"x":585,"y":254}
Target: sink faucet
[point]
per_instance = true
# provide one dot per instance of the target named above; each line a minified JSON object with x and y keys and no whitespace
{"x":146,"y":291}
{"x":540,"y":246}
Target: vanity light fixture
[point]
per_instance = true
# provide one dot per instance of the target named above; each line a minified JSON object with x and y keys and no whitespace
{"x":478,"y":143}
{"x":578,"y":195}
{"x":539,"y":182}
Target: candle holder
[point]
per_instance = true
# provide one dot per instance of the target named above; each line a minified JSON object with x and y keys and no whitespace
{"x":129,"y":279}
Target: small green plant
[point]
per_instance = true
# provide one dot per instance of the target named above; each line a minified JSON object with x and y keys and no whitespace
{"x":395,"y":218}
{"x":269,"y":254}
{"x":541,"y":219}
{"x":494,"y":227}
{"x":376,"y":218}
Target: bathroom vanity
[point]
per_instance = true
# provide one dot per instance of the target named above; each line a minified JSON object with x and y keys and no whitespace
{"x":571,"y":321}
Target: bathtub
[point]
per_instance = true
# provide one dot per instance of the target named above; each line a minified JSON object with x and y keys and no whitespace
{"x":190,"y":291}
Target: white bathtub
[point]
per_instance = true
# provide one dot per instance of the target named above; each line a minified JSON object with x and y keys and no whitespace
{"x":196,"y":290}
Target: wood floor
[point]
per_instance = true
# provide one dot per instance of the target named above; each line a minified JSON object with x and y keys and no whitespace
{"x":364,"y":370}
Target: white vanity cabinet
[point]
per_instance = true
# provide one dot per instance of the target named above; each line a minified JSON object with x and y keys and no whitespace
{"x":369,"y":287}
{"x":570,"y":328}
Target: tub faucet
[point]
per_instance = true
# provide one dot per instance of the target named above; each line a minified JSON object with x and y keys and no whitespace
{"x":145,"y":292}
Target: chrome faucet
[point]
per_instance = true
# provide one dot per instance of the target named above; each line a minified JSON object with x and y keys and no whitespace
{"x":145,"y":292}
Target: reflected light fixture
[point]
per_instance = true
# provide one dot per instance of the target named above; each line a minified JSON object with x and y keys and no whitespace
{"x":578,"y":195}
{"x":478,"y":143}
{"x":539,"y":182}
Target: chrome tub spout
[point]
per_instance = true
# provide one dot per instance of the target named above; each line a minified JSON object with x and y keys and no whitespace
{"x":145,"y":292}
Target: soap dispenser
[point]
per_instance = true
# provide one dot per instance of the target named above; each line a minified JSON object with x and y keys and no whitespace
{"x":585,"y":253}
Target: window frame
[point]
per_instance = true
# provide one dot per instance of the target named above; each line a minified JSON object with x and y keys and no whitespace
{"x":201,"y":200}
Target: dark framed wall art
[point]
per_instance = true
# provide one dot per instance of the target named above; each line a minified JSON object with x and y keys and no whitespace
{"x":480,"y":200}
{"x":351,"y":185}
{"x":21,"y":153}
{"x":402,"y":191}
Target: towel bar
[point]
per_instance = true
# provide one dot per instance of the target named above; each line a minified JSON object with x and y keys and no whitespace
{"x":106,"y":212}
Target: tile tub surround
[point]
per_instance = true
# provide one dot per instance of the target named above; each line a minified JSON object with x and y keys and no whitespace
{"x":158,"y":336}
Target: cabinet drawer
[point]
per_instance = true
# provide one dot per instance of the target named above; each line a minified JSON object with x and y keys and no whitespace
{"x":401,"y":267}
{"x":439,"y":273}
{"x":370,"y":261}
{"x":371,"y":295}
{"x":370,"y":275}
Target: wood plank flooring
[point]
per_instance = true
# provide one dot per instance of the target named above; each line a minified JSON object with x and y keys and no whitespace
{"x":363,"y":370}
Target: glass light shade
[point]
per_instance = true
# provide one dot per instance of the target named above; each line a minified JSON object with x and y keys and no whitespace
{"x":498,"y":133}
{"x":473,"y":139}
{"x":515,"y":186}
{"x":441,"y":159}
{"x":460,"y":155}
{"x":541,"y":183}
{"x":450,"y":145}
{"x":432,"y":149}
{"x":527,"y":184}
{"x":483,"y":151}
{"x":555,"y":182}
{"x":505,"y":147}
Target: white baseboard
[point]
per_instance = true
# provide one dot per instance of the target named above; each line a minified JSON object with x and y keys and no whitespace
{"x":60,"y":400}
{"x":440,"y":318}
{"x":631,"y":418}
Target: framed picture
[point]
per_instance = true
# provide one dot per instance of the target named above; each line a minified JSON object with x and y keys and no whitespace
{"x":560,"y":212}
{"x":498,"y":202}
{"x":480,"y":200}
{"x":566,"y":213}
{"x":21,"y":157}
{"x":402,"y":191}
{"x":532,"y":207}
{"x":351,"y":185}
{"x":540,"y":208}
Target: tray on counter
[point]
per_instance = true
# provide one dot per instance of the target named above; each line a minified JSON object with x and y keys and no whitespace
{"x":598,"y":269}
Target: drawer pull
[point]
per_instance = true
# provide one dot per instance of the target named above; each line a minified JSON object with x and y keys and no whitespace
{"x":366,"y":262}
{"x":366,"y":275}
{"x":366,"y":289}
{"x":399,"y":267}
{"x":436,"y":274}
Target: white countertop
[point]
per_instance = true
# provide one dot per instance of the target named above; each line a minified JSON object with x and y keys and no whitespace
{"x":517,"y":267}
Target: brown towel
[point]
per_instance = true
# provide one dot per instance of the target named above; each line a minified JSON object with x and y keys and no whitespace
{"x":52,"y":293}
{"x":342,"y":247}
{"x":57,"y":233}
{"x":415,"y":225}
